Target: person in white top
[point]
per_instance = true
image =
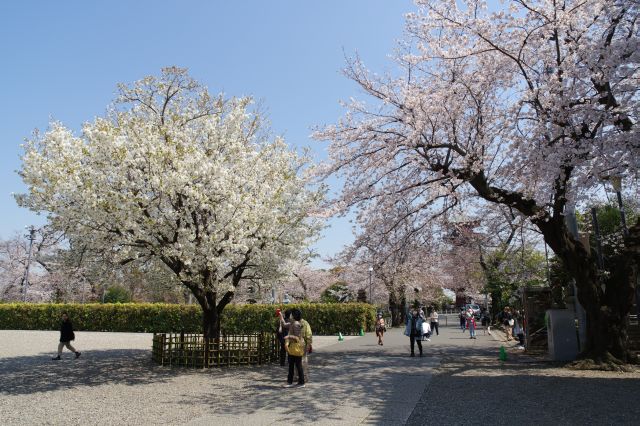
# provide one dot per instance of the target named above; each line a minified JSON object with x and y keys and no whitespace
{"x":433,"y":318}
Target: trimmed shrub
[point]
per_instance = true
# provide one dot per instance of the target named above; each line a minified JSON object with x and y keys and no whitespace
{"x":325,"y":319}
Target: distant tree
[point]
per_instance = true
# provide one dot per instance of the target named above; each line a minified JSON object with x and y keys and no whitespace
{"x":362,"y":296}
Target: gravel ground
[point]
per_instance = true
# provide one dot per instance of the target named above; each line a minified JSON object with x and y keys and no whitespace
{"x":115,"y":382}
{"x":458,"y":381}
{"x":472,"y":387}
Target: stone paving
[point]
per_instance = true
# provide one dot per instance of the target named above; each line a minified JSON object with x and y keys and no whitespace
{"x":458,"y":381}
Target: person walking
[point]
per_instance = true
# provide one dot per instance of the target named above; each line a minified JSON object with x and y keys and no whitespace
{"x":471,"y":323}
{"x":433,"y":319}
{"x":66,"y":336}
{"x":413,"y":329}
{"x":463,"y":320}
{"x":294,"y":343}
{"x":380,"y":328}
{"x":485,"y":320}
{"x":518,"y":329}
{"x":508,"y":322}
{"x":426,"y":328}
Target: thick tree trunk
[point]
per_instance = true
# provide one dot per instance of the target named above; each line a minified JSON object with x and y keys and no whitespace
{"x":211,"y":310}
{"x":606,"y":298}
{"x":396,"y":306}
{"x":211,"y":323}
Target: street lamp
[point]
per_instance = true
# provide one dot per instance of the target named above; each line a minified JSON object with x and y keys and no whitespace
{"x":25,"y":279}
{"x":370,"y":272}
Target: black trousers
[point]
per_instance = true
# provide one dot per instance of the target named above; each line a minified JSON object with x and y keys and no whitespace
{"x":283,"y":351}
{"x":434,"y":327}
{"x":413,"y":339}
{"x":297,"y":362}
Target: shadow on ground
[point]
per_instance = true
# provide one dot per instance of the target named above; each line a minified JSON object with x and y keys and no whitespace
{"x":38,"y":373}
{"x":381,"y":387}
{"x":475,"y":388}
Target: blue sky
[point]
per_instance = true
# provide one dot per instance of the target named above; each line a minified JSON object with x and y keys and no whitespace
{"x":62,"y":60}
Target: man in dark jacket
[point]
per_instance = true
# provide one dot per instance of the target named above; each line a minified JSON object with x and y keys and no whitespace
{"x":66,"y":336}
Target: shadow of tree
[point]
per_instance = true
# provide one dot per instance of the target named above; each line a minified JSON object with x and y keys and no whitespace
{"x":349,"y":382}
{"x":38,"y":373}
{"x":388,"y":384}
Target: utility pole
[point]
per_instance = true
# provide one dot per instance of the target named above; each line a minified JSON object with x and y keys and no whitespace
{"x":25,"y":279}
{"x":370,"y":294}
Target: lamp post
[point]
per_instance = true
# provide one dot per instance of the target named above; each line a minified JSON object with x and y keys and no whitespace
{"x":25,"y":279}
{"x":370,"y":273}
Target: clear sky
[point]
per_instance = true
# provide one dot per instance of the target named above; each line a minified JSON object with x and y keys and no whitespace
{"x":62,"y":60}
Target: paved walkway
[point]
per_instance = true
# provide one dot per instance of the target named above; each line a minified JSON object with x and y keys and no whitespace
{"x":351,"y":382}
{"x":458,"y":381}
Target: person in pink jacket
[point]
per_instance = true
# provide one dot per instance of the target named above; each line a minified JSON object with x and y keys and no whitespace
{"x":471,"y":323}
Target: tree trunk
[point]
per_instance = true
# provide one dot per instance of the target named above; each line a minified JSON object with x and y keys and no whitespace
{"x":211,"y":323}
{"x":607,"y":309}
{"x":211,"y":309}
{"x":396,"y":308}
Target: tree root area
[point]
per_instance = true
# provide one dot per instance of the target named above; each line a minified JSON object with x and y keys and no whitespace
{"x":605,"y":362}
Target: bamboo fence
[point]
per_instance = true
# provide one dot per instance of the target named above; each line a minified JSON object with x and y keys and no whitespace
{"x":192,"y":350}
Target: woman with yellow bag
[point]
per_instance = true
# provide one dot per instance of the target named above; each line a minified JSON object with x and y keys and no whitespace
{"x":294,"y":345}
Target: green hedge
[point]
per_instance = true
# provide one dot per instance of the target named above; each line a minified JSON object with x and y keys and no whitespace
{"x":325,"y":319}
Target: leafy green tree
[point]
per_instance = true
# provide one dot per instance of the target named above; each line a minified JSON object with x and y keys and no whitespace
{"x":337,"y":293}
{"x":507,"y":271}
{"x":117,"y":294}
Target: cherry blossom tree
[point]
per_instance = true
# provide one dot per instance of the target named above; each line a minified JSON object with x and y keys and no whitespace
{"x":307,"y":283}
{"x":178,"y":175}
{"x":527,"y":106}
{"x":13,"y":259}
{"x":14,"y":256}
{"x":402,"y":254}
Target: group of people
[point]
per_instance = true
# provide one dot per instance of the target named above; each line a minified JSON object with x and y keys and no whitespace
{"x":296,"y":339}
{"x":511,"y":320}
{"x":419,"y":327}
{"x":468,"y":321}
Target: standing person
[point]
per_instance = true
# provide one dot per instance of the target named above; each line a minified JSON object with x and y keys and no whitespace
{"x":413,"y":329}
{"x":66,"y":336}
{"x":463,"y":320}
{"x":508,"y":322}
{"x":426,"y":328}
{"x":295,"y":346}
{"x":281,"y":334}
{"x":471,"y":323}
{"x":433,"y":319}
{"x":485,"y":320}
{"x":380,"y":328}
{"x":307,"y":336}
{"x":518,"y":329}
